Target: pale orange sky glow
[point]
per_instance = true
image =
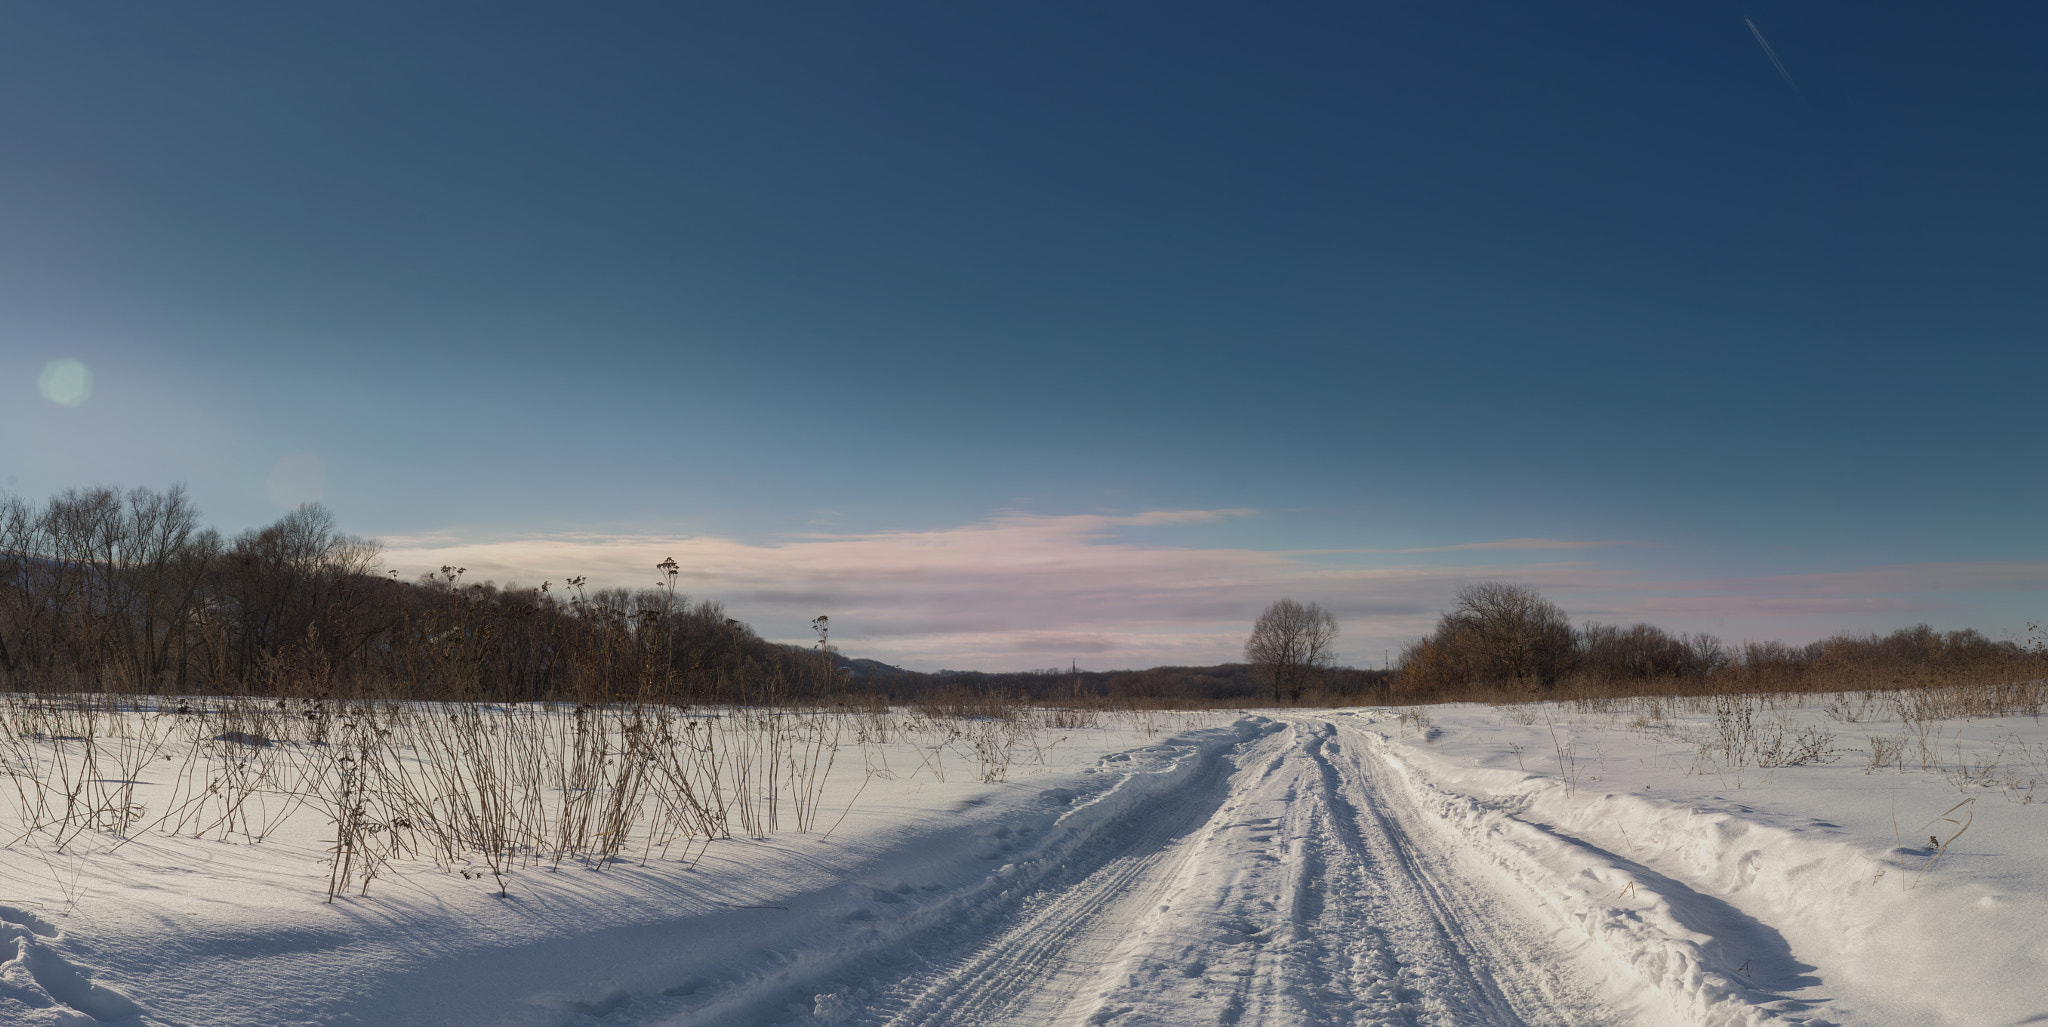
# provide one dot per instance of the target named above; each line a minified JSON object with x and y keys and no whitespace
{"x":1019,"y":591}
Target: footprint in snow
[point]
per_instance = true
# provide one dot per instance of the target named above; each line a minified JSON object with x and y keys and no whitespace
{"x":40,"y":977}
{"x":889,"y":893}
{"x":12,"y":917}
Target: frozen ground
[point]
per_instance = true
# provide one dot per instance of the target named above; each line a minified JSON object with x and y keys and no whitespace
{"x":1453,"y":865}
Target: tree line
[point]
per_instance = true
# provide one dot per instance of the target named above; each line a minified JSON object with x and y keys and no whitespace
{"x":105,"y":589}
{"x":1226,"y":684}
{"x":1506,"y":641}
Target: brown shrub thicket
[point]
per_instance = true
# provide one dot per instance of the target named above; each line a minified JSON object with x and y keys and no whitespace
{"x":1506,"y":643}
{"x":104,"y":590}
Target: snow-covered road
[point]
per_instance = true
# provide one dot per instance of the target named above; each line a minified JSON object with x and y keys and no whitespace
{"x":1283,"y":885}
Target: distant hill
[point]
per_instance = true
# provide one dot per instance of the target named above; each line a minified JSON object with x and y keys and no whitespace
{"x":1233,"y":683}
{"x":865,"y":668}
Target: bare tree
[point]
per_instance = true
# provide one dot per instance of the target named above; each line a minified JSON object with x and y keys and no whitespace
{"x":1510,"y":632}
{"x":159,"y":564}
{"x":21,"y":530}
{"x":1291,"y":643}
{"x":296,"y":586}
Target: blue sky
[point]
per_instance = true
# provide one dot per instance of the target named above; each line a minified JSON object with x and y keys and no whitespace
{"x":1009,"y":334}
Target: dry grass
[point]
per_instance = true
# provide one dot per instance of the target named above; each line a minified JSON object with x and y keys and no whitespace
{"x":473,"y":787}
{"x":1928,"y":730}
{"x":486,"y":790}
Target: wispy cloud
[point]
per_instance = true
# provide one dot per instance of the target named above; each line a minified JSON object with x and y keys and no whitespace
{"x":1182,"y":516}
{"x":1971,"y":576}
{"x":1804,"y":606}
{"x":1518,"y":543}
{"x":1015,"y":590}
{"x":1694,"y":610}
{"x":1505,"y":544}
{"x":1028,"y":590}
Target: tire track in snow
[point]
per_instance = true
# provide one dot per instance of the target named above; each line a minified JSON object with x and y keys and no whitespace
{"x":1463,"y":954}
{"x":1333,"y":913}
{"x":1287,"y":892}
{"x":1046,"y":955}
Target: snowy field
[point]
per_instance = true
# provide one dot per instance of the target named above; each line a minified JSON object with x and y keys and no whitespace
{"x":1866,"y":859}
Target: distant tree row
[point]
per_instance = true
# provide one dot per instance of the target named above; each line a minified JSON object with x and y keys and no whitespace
{"x":102,"y":589}
{"x":1503,"y":640}
{"x":106,"y":589}
{"x":1228,"y":684}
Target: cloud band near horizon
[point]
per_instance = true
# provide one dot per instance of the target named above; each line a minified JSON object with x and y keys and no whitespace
{"x":1020,"y":591}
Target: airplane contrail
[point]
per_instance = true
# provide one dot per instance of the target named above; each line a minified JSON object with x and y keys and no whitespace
{"x":1773,"y":55}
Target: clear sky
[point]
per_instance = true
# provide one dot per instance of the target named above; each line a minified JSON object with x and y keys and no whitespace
{"x":1009,"y":334}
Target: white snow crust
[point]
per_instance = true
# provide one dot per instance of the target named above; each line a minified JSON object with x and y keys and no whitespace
{"x":1540,"y":864}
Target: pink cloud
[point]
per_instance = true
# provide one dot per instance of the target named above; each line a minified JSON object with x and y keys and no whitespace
{"x":1015,"y":590}
{"x":1024,"y":590}
{"x":1519,"y":543}
{"x":1668,"y":608}
{"x":1978,"y":576}
{"x":1501,"y":544}
{"x":1803,"y":607}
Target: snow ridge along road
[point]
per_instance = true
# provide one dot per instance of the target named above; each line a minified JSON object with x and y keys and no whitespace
{"x":1280,"y":884}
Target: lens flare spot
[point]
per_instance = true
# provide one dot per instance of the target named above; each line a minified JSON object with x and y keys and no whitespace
{"x":297,"y":479}
{"x":65,"y":382}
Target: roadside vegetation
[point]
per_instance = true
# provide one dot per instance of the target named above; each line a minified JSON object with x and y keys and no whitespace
{"x":1503,"y":643}
{"x":109,"y":591}
{"x":484,"y":789}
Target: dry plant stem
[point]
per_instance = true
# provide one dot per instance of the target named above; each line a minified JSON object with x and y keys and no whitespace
{"x":849,"y":806}
{"x":492,"y":786}
{"x":1566,"y":767}
{"x":1968,"y":806}
{"x":810,"y":763}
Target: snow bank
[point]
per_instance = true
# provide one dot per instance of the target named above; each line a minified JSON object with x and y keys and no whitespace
{"x":1787,"y":908}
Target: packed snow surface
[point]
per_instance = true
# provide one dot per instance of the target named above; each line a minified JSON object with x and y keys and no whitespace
{"x":1640,"y":864}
